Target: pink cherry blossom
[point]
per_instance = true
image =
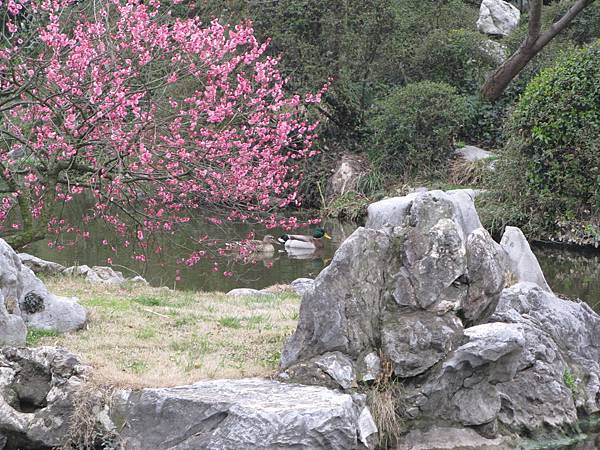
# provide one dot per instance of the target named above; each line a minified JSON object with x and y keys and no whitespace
{"x":214,"y":133}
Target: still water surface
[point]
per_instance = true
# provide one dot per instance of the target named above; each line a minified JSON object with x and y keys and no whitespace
{"x":575,"y":274}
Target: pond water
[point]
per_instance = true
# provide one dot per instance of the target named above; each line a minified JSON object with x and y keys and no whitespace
{"x":575,"y":274}
{"x":588,"y":440}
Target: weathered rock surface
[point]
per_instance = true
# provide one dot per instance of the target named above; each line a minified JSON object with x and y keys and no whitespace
{"x":346,"y":175}
{"x":500,"y":53}
{"x":446,"y":438}
{"x":13,"y":330}
{"x":497,"y":17}
{"x":423,"y":291}
{"x":562,"y":337}
{"x":38,"y":265}
{"x":302,"y":285}
{"x":101,"y":274}
{"x":522,"y":263}
{"x":242,"y":414}
{"x":25,"y":300}
{"x":393,"y":211}
{"x":38,"y":390}
{"x":471,"y":153}
{"x":96,"y":274}
{"x":43,"y":310}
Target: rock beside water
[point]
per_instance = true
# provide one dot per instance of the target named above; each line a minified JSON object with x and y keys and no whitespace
{"x":522,"y":263}
{"x":474,"y":336}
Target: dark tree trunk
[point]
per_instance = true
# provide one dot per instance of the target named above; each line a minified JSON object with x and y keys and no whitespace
{"x":535,"y":41}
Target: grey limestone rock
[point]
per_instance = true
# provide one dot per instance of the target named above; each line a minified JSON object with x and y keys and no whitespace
{"x":339,"y":367}
{"x":394,"y":211}
{"x":43,"y":310}
{"x":38,"y":265}
{"x":26,"y":300}
{"x":242,"y":414}
{"x":13,"y":331}
{"x":103,"y":274}
{"x":447,"y":438}
{"x":486,"y":272}
{"x":497,"y":17}
{"x":302,"y":285}
{"x":470,"y":152}
{"x":38,"y":389}
{"x":421,"y":290}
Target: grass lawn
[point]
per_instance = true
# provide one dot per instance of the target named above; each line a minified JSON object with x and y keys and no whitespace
{"x":143,"y":336}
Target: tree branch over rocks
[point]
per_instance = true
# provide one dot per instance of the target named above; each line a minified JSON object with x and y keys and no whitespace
{"x":535,"y":41}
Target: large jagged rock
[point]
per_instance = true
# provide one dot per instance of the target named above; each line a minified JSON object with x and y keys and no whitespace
{"x":26,"y":299}
{"x":242,"y":414}
{"x":562,"y":337}
{"x":497,"y":17}
{"x":422,"y":293}
{"x":361,"y":300}
{"x":38,"y":389}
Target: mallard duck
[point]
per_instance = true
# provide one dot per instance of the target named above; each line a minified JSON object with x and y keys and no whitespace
{"x":266,"y":245}
{"x":304,"y":241}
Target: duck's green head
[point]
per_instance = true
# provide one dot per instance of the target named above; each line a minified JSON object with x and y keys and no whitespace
{"x":320,"y":233}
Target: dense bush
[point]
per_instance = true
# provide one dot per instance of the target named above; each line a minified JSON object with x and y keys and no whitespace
{"x":413,"y":128}
{"x":551,"y":165}
{"x":461,"y":58}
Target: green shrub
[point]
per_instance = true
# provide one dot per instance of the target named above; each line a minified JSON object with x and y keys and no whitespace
{"x":550,"y":168}
{"x":413,"y":128}
{"x":461,"y":58}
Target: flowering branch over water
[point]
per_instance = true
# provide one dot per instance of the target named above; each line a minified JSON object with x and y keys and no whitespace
{"x":154,"y":119}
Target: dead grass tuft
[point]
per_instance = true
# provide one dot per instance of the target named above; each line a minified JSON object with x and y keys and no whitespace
{"x":139,"y":336}
{"x":86,"y":431}
{"x":383,"y":399}
{"x":468,"y":173}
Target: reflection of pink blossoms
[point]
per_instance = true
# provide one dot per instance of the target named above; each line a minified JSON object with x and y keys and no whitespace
{"x":152,"y":117}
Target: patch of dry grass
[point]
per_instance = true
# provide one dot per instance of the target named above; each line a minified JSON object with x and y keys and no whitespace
{"x":143,"y":336}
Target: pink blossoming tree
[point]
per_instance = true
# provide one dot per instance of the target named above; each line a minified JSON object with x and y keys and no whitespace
{"x":155,"y":119}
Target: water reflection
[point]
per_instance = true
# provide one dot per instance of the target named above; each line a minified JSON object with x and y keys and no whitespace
{"x":574,"y":273}
{"x":257,"y":271}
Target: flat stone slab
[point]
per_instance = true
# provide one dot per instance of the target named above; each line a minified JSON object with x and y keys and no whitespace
{"x":246,"y":292}
{"x":242,"y":414}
